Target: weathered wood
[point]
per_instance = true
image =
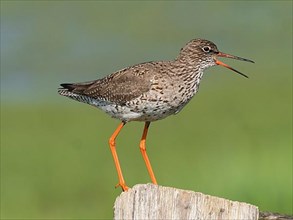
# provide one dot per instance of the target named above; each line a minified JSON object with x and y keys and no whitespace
{"x":274,"y":216}
{"x":157,"y":202}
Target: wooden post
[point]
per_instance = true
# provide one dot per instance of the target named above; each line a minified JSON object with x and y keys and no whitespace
{"x":150,"y":201}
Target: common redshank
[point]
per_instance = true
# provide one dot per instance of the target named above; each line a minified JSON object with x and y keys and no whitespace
{"x":149,"y":91}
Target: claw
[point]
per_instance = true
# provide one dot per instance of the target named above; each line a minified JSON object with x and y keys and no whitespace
{"x":123,"y":186}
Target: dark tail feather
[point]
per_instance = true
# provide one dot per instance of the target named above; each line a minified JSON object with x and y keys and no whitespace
{"x":68,"y":86}
{"x":76,"y":91}
{"x":77,"y":88}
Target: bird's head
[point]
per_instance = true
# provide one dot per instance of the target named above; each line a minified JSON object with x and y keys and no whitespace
{"x":205,"y":54}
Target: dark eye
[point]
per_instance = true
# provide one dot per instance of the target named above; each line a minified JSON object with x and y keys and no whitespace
{"x":206,"y":49}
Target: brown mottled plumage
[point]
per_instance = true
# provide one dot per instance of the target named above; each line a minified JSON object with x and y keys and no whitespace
{"x":149,"y":91}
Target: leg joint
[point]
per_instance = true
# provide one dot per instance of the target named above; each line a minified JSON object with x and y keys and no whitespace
{"x":142,"y":145}
{"x":112,"y":142}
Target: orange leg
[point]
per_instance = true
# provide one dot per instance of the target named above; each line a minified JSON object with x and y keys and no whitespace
{"x":144,"y":154}
{"x":115,"y":157}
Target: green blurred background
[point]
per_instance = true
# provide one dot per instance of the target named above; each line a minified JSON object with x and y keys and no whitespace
{"x":233,"y":140}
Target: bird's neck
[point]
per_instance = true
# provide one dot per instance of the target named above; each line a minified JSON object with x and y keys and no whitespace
{"x":190,"y":74}
{"x":188,"y":60}
{"x":188,"y":68}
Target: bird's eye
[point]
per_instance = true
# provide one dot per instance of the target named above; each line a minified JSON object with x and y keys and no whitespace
{"x":206,"y":49}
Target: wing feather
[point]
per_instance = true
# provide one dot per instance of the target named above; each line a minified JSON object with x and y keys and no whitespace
{"x":119,"y":87}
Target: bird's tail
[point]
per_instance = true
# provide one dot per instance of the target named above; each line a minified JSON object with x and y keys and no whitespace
{"x":73,"y":91}
{"x":76,"y":88}
{"x":67,"y":89}
{"x":76,"y":91}
{"x":68,"y":86}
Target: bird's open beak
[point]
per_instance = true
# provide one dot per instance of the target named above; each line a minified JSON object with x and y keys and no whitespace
{"x":220,"y":54}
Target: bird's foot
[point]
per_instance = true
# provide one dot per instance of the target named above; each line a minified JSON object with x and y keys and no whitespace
{"x":123,"y":186}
